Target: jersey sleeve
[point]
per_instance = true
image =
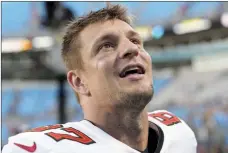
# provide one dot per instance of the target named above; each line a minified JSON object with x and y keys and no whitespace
{"x":24,"y":143}
{"x":178,"y":136}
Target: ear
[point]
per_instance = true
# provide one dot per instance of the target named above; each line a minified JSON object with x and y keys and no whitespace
{"x":77,"y":83}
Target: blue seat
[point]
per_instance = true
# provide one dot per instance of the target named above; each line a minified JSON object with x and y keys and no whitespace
{"x":180,"y":112}
{"x":5,"y":134}
{"x":49,"y":98}
{"x":222,"y":119}
{"x":226,"y":139}
{"x":71,"y":98}
{"x":36,"y":101}
{"x":160,"y":83}
{"x":7,"y":100}
{"x":73,"y":103}
{"x":29,"y":99}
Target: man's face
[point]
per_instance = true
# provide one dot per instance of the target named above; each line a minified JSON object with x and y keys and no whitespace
{"x":116,"y":66}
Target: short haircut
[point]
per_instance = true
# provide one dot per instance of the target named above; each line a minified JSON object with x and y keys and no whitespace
{"x":71,"y":42}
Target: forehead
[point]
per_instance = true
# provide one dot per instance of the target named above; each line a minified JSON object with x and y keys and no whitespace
{"x":90,"y":34}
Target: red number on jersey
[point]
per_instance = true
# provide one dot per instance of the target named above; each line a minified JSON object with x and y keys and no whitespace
{"x":166,"y":118}
{"x":79,"y":136}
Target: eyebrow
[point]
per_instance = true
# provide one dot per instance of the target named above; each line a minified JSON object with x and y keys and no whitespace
{"x":112,"y":35}
{"x":133,"y":33}
{"x":104,"y":37}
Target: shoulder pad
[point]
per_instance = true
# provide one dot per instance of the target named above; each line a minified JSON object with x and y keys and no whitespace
{"x":24,"y":143}
{"x":45,"y":128}
{"x":178,"y":136}
{"x":164,"y":117}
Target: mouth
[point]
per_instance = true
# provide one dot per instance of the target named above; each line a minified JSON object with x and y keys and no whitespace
{"x":135,"y":69}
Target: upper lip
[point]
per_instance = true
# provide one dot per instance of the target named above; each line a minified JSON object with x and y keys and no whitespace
{"x":129,"y":66}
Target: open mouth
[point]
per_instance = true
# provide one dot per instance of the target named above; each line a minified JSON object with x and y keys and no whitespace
{"x":131,"y":70}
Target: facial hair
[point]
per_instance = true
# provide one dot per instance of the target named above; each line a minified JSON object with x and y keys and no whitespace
{"x":135,"y":100}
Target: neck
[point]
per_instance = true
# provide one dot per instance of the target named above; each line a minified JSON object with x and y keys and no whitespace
{"x":129,"y":127}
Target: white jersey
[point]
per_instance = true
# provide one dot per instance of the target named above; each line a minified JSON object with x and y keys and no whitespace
{"x":84,"y":137}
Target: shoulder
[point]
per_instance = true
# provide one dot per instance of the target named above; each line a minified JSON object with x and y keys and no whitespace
{"x":169,"y":121}
{"x":24,"y":143}
{"x":163,"y":117}
{"x":46,"y":139}
{"x":177,"y":134}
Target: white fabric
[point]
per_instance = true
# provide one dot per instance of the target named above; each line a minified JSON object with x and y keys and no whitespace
{"x":178,"y":138}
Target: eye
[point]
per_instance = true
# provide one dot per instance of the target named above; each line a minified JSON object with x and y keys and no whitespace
{"x":106,"y":46}
{"x":135,"y":41}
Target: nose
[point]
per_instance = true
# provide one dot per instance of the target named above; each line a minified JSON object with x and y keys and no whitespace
{"x":129,"y":50}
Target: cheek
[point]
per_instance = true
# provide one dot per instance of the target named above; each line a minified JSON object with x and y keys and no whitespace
{"x":147,"y":58}
{"x":104,"y":75}
{"x":104,"y":67}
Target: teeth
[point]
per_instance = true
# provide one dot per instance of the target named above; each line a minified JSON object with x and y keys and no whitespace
{"x":133,"y":68}
{"x":138,"y":70}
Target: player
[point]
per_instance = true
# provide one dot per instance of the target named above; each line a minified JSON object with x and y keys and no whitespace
{"x":111,"y":73}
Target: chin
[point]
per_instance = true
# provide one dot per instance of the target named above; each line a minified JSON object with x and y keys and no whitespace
{"x":142,"y":86}
{"x":136,"y":99}
{"x":142,"y":90}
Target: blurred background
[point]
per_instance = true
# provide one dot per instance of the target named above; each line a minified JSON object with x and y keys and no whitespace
{"x":188,"y":42}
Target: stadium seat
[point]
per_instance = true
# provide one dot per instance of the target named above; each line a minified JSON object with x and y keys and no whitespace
{"x":160,"y":83}
{"x":222,"y":119}
{"x":180,"y":112}
{"x":36,"y":101}
{"x":7,"y":100}
{"x":71,"y":99}
{"x":5,"y":134}
{"x":226,"y":139}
